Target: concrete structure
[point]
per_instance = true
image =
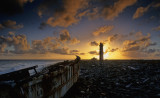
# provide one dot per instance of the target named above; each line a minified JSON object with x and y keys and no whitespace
{"x":101,"y":52}
{"x":52,"y":82}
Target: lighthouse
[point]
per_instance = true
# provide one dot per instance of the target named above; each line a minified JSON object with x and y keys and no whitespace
{"x":101,"y":53}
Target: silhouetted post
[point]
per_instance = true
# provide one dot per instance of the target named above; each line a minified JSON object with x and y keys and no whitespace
{"x":101,"y":53}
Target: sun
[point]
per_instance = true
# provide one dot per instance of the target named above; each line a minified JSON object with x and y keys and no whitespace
{"x":106,"y":55}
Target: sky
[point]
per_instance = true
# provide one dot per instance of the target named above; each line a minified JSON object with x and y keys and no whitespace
{"x":61,"y":29}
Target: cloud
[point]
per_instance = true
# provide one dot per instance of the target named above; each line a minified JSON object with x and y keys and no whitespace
{"x":64,"y":51}
{"x":112,"y":38}
{"x":18,"y":42}
{"x":65,"y":37}
{"x":10,"y":24}
{"x":74,"y":41}
{"x":156,"y":3}
{"x":67,"y":51}
{"x":1,"y":27}
{"x":42,"y":25}
{"x":151,"y":51}
{"x":74,"y":52}
{"x":93,"y":52}
{"x":156,"y":28}
{"x":11,"y":7}
{"x":82,"y":53}
{"x":93,"y":14}
{"x":111,"y":50}
{"x":46,"y":45}
{"x":68,"y":12}
{"x":94,"y":43}
{"x":140,"y":11}
{"x":102,"y":30}
{"x":2,"y":46}
{"x":65,"y":13}
{"x":139,"y":44}
{"x":111,"y":12}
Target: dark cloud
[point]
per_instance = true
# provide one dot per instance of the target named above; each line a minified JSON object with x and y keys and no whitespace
{"x":11,"y":7}
{"x":93,"y":52}
{"x":94,"y":43}
{"x":10,"y":24}
{"x":1,"y":27}
{"x":49,"y":6}
{"x":112,"y":38}
{"x":67,"y":51}
{"x":156,"y":3}
{"x":93,"y":13}
{"x":111,"y":50}
{"x":42,"y":25}
{"x":74,"y":50}
{"x":65,"y":37}
{"x":151,"y":51}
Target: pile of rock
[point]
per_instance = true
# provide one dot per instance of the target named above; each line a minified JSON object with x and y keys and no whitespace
{"x":118,"y":79}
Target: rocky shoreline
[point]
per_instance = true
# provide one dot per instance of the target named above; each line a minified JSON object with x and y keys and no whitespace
{"x":120,"y":79}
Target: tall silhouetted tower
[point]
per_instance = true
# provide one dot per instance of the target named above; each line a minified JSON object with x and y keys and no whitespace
{"x":101,"y":52}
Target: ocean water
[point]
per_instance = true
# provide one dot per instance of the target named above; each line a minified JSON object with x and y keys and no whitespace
{"x":7,"y":66}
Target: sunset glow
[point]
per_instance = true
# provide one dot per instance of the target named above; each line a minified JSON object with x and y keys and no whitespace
{"x":106,"y":55}
{"x":61,"y":29}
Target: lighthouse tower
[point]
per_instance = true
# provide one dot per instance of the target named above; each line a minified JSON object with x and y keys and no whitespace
{"x":101,"y":53}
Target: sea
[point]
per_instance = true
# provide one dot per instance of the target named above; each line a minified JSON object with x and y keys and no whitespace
{"x":7,"y":66}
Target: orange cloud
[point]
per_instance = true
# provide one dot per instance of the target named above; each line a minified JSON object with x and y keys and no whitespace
{"x":47,"y":45}
{"x":156,"y":28}
{"x":102,"y":30}
{"x":140,"y":11}
{"x":74,"y":41}
{"x":19,"y":43}
{"x":139,"y":44}
{"x":67,"y":14}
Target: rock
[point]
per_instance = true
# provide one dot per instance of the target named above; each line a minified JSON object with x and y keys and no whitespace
{"x":102,"y":83}
{"x":127,"y":86}
{"x":83,"y":92}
